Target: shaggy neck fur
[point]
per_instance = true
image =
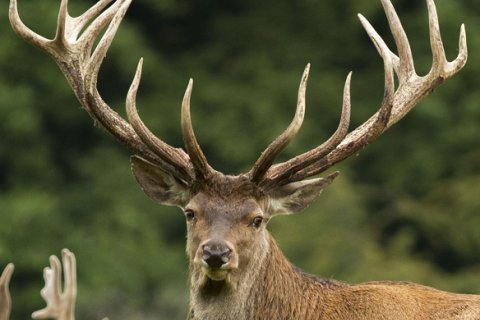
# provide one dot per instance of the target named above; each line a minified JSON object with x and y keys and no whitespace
{"x":263,"y":291}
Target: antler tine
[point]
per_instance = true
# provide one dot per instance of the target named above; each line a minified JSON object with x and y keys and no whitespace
{"x":406,"y":68}
{"x":95,"y":28}
{"x":396,"y":103}
{"x":5,"y":302}
{"x":68,"y":28}
{"x":81,"y":21}
{"x":177,"y":159}
{"x":197,"y":157}
{"x":438,"y":51}
{"x":456,"y":65}
{"x":72,"y":50}
{"x":60,"y":305}
{"x":100,"y":52}
{"x":60,"y":35}
{"x":441,"y":67}
{"x":22,"y":30}
{"x":282,"y":173}
{"x":266,"y":159}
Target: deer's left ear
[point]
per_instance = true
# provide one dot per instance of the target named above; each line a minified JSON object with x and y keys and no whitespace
{"x":296,"y":196}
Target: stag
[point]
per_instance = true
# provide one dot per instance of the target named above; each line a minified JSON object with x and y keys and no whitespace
{"x":237,"y":271}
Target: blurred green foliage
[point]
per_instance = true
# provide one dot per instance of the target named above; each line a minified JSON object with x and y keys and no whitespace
{"x":406,"y":208}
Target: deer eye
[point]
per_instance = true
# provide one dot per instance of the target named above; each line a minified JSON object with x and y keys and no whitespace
{"x":189,"y":215}
{"x":257,"y":222}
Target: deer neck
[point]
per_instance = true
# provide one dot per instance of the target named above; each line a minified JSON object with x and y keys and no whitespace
{"x":270,"y":288}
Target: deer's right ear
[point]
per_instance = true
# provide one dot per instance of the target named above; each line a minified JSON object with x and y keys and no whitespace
{"x":296,"y":196}
{"x":159,"y":185}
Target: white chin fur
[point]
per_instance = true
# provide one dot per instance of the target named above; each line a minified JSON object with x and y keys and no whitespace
{"x":216,"y":274}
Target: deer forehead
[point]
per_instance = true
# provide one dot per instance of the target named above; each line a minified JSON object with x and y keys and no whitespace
{"x":213,"y":207}
{"x":228,"y":197}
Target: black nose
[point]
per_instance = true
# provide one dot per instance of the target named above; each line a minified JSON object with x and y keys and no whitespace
{"x":216,"y":254}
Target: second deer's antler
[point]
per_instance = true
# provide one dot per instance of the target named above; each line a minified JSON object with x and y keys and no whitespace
{"x":60,"y":301}
{"x":5,"y":302}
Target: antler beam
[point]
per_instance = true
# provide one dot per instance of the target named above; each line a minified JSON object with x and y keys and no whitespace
{"x":74,"y":52}
{"x":396,"y":103}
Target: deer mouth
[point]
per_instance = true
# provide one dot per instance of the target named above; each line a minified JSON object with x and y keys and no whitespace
{"x":220,"y":273}
{"x":216,"y":274}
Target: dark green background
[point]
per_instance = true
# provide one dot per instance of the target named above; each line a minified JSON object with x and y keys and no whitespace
{"x":406,"y":208}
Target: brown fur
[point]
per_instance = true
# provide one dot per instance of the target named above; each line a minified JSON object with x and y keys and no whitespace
{"x":277,"y":290}
{"x":263,"y":284}
{"x":257,"y":281}
{"x":236,"y":269}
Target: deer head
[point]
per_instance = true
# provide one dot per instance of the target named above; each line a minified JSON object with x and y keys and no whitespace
{"x":227,"y":215}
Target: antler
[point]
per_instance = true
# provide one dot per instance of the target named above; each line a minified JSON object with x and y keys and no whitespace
{"x":74,"y":52}
{"x":60,"y":305}
{"x":396,"y":103}
{"x":5,"y":302}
